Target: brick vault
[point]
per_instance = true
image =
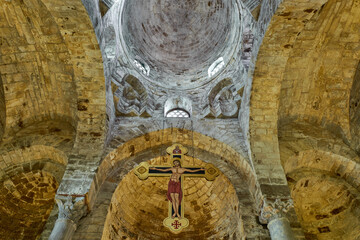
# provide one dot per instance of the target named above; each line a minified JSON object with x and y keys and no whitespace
{"x":267,"y":91}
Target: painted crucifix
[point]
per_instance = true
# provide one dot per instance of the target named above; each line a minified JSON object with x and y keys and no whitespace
{"x":176,"y":220}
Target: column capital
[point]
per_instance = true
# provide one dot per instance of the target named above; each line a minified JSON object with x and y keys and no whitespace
{"x":71,"y":207}
{"x":274,"y":208}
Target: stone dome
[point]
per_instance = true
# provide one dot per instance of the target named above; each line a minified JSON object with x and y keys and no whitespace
{"x":173,"y":43}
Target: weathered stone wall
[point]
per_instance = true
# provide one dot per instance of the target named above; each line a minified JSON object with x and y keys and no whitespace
{"x":224,"y":130}
{"x":317,"y":128}
{"x":29,"y":179}
{"x":2,"y":109}
{"x":354,"y":107}
{"x":53,"y":109}
{"x":119,"y":162}
{"x":321,"y":68}
{"x":288,"y":25}
{"x":26,"y":193}
{"x":325,"y":188}
{"x":211,"y":207}
{"x":266,"y":90}
{"x":52,"y":85}
{"x":167,"y":137}
{"x":117,"y":66}
{"x":91,"y":227}
{"x":90,"y":85}
{"x":35,"y":67}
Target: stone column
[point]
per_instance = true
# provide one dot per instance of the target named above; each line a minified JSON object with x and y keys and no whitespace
{"x":71,"y":209}
{"x":273,"y":213}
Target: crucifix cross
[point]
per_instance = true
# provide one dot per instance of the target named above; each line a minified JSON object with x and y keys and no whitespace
{"x":176,"y":172}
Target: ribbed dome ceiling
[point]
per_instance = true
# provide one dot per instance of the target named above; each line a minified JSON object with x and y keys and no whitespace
{"x":179,"y":40}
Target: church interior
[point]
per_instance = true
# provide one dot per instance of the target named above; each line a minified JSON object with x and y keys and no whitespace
{"x":264,"y":93}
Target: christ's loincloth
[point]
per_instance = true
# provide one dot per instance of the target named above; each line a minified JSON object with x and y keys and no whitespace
{"x":174,"y":187}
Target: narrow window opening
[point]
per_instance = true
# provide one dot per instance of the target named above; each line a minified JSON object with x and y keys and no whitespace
{"x":144,"y":68}
{"x":178,"y":113}
{"x":216,"y":66}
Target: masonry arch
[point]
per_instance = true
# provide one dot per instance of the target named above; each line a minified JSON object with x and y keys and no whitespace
{"x":354,"y":110}
{"x":274,"y":52}
{"x":321,"y":170}
{"x":317,"y":178}
{"x":2,"y":109}
{"x":136,"y":202}
{"x":291,"y":95}
{"x":155,"y":141}
{"x":317,"y":80}
{"x":122,"y":160}
{"x":28,"y":183}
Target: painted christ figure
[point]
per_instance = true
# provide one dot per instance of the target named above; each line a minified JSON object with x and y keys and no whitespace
{"x":174,"y":193}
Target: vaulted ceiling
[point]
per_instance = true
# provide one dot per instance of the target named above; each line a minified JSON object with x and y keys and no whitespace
{"x":83,"y":96}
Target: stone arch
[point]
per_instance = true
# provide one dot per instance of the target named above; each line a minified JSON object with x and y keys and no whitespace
{"x":321,"y":170}
{"x":335,"y":165}
{"x":318,"y":178}
{"x":86,"y":60}
{"x":180,"y":102}
{"x":337,"y":217}
{"x":354,"y":110}
{"x":286,"y":45}
{"x":210,"y":218}
{"x":317,"y":78}
{"x":276,"y":48}
{"x":35,"y":153}
{"x":123,"y":159}
{"x":278,"y":91}
{"x":2,"y":110}
{"x":37,"y":67}
{"x":29,"y":180}
{"x":52,"y":63}
{"x":162,"y":138}
{"x":298,"y":137}
{"x":54,"y":133}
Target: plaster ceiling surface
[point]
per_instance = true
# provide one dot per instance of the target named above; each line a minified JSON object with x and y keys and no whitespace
{"x":179,"y":40}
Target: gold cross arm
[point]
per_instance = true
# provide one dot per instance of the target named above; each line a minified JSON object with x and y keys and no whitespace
{"x":142,"y":171}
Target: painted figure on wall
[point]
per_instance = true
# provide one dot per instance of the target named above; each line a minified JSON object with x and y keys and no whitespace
{"x":174,"y":193}
{"x":176,"y":221}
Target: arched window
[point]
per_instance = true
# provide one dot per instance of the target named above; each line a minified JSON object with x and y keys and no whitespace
{"x":178,"y":113}
{"x":179,"y":107}
{"x":142,"y":66}
{"x":216,"y":66}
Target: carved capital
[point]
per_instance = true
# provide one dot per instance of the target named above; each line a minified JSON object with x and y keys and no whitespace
{"x":274,"y":208}
{"x":71,"y":208}
{"x":224,"y":99}
{"x":130,"y":95}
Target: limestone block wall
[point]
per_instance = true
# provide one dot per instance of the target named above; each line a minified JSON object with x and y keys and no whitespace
{"x":35,"y":67}
{"x":210,"y":206}
{"x":29,"y":179}
{"x":27,"y":200}
{"x":286,"y":27}
{"x":122,"y":160}
{"x":325,"y":189}
{"x":354,"y":107}
{"x":225,"y":130}
{"x":266,"y":90}
{"x":90,"y":85}
{"x":321,"y":69}
{"x":51,"y":99}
